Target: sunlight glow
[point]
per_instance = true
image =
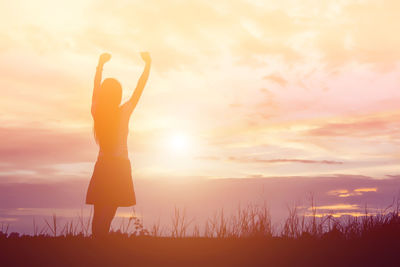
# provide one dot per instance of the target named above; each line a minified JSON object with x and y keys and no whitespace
{"x":178,"y":143}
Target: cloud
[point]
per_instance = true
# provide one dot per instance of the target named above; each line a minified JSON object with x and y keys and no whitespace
{"x":338,"y":207}
{"x":257,"y":160}
{"x":351,"y":34}
{"x":38,"y":148}
{"x":190,"y":32}
{"x":193,"y":30}
{"x":355,"y":192}
{"x":361,"y":127}
{"x":276,"y":78}
{"x":394,"y":176}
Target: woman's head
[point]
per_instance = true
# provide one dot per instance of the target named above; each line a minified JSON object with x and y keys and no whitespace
{"x":110,"y":93}
{"x":107,"y":113}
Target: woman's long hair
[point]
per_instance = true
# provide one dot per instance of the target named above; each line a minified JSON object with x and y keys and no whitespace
{"x":106,"y":119}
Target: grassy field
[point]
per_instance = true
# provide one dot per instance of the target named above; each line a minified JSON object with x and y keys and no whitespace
{"x":161,"y":251}
{"x":244,"y":239}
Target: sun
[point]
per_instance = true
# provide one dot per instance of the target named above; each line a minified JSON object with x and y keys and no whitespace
{"x":178,"y":143}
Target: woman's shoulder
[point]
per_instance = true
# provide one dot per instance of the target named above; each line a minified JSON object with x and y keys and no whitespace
{"x":125,"y":111}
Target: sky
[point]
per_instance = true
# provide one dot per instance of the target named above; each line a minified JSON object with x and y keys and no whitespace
{"x":238,"y":89}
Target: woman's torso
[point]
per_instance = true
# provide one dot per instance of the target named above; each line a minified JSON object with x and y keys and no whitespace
{"x":120,"y":147}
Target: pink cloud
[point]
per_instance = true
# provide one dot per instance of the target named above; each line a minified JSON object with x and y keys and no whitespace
{"x":305,"y":161}
{"x":26,"y":148}
{"x":368,"y":127}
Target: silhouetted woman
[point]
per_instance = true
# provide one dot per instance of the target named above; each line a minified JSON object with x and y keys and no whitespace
{"x":111,"y":185}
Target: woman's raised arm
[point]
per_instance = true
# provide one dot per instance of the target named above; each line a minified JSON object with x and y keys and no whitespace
{"x":132,"y":102}
{"x":97,"y":78}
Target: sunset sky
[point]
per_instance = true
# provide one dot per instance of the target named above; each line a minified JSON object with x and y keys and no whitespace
{"x":238,"y":89}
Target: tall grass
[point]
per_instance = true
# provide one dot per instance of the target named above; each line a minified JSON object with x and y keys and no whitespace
{"x":251,"y":221}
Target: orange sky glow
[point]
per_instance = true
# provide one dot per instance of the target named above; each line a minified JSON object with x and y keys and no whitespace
{"x":238,"y":88}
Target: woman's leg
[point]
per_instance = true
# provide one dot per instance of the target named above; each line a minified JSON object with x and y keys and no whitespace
{"x":109,"y":212}
{"x":102,"y":218}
